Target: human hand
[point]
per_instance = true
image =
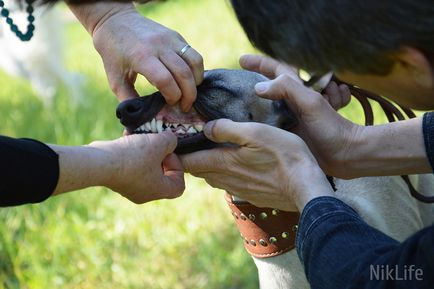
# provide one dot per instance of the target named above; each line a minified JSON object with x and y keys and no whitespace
{"x":329,"y":136}
{"x":270,"y":168}
{"x":131,"y":44}
{"x":338,"y":96}
{"x":143,"y":167}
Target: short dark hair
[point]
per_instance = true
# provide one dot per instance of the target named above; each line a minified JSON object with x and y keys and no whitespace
{"x":337,"y":35}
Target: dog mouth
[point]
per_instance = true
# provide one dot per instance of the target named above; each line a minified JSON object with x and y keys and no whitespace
{"x":187,"y":127}
{"x":171,"y":118}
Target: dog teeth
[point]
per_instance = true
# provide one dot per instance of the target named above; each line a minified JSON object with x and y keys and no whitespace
{"x":179,"y":128}
{"x":154,"y":125}
{"x":143,"y":128}
{"x":198,"y":127}
{"x":159,"y":126}
{"x":191,"y":130}
{"x":148,"y":126}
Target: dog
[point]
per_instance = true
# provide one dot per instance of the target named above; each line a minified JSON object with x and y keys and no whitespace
{"x":39,"y":60}
{"x":223,"y":94}
{"x":383,"y":202}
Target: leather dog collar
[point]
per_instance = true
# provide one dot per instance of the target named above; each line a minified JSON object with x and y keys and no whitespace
{"x":265,"y":232}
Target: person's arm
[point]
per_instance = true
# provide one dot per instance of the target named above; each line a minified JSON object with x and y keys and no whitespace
{"x":339,"y":250}
{"x":139,"y":167}
{"x":29,"y":171}
{"x":392,"y":149}
{"x":142,"y":168}
{"x":130,"y":44}
{"x":342,"y":148}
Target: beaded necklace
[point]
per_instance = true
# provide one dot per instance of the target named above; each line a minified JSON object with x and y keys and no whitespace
{"x":30,"y":27}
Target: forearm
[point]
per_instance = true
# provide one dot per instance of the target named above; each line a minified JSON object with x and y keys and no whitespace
{"x":81,"y":167}
{"x":393,"y":149}
{"x":93,"y":15}
{"x":339,"y":250}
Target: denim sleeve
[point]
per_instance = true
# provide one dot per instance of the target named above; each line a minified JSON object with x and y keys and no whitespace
{"x":339,"y":250}
{"x":428,"y":135}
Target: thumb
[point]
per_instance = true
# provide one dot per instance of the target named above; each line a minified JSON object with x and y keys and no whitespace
{"x":167,"y":142}
{"x":225,"y":130}
{"x":173,"y":179}
{"x":284,"y":87}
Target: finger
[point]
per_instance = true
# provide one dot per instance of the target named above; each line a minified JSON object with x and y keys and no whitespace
{"x":346,"y":94}
{"x":259,"y":63}
{"x":173,"y":179}
{"x":225,"y":130}
{"x":165,"y":142}
{"x":284,"y":87}
{"x":159,"y":76}
{"x":172,"y":163}
{"x":183,"y":76}
{"x":123,"y":89}
{"x":204,"y":161}
{"x":333,"y":95}
{"x":195,"y":62}
{"x":268,"y":66}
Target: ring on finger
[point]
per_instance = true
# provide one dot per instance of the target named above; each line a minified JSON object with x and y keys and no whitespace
{"x":184,"y":50}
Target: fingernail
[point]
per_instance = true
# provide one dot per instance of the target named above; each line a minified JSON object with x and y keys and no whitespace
{"x":262,"y":87}
{"x":207,"y":130}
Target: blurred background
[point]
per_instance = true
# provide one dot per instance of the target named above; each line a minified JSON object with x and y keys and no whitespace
{"x":95,"y":238}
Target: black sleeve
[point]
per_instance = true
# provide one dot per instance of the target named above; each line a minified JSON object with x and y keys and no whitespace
{"x":29,"y":171}
{"x":428,"y":135}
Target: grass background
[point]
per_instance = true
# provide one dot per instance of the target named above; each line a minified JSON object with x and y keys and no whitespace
{"x":95,"y":238}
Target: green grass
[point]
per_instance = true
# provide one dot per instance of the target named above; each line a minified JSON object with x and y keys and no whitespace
{"x":95,"y":238}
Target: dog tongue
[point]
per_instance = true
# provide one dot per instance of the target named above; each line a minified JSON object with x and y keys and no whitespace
{"x":173,"y":114}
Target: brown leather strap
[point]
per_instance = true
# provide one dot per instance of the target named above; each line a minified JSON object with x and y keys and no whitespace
{"x":265,"y":232}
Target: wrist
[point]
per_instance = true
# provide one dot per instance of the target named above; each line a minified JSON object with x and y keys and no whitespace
{"x":315,"y":185}
{"x":105,"y":164}
{"x":93,"y":15}
{"x":81,"y":167}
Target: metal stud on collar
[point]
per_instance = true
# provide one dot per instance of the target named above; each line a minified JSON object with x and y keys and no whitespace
{"x":273,"y":240}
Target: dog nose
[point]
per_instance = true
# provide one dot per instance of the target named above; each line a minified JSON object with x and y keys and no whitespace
{"x":130,"y":112}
